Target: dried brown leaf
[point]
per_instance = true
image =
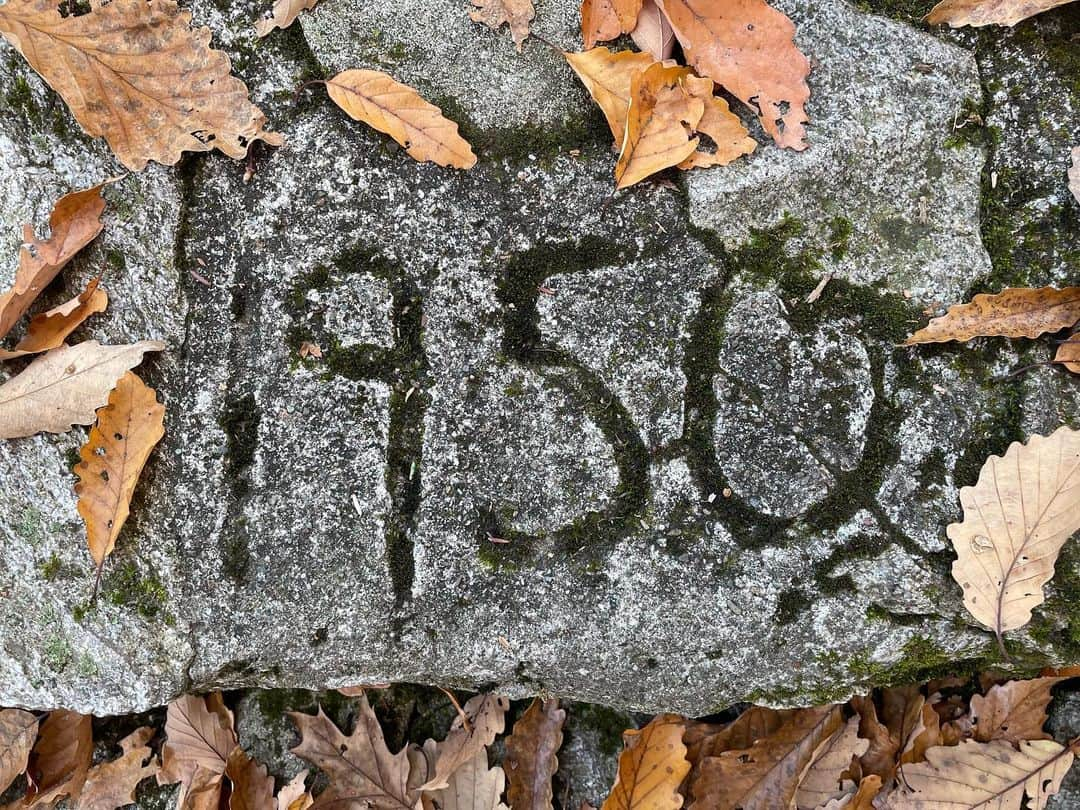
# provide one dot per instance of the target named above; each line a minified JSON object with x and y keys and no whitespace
{"x":74,"y":222}
{"x":50,"y":329}
{"x":486,"y":715}
{"x":530,"y":759}
{"x":651,"y":767}
{"x":127,"y":430}
{"x":112,"y":784}
{"x":1016,"y":519}
{"x":517,"y":14}
{"x":659,"y":125}
{"x":397,"y":110}
{"x":199,"y":737}
{"x":362,"y":771}
{"x":607,"y":76}
{"x":282,"y":15}
{"x":18,"y":730}
{"x":61,"y":759}
{"x":294,"y":795}
{"x":135,"y":73}
{"x":1068,"y":354}
{"x":988,"y":12}
{"x":822,"y":781}
{"x":882,"y":754}
{"x":473,"y":786}
{"x":603,"y":20}
{"x":1013,"y":711}
{"x":748,"y":48}
{"x":729,"y":136}
{"x":65,"y":387}
{"x":653,"y":33}
{"x":1014,"y":312}
{"x":861,"y":798}
{"x":252,"y":786}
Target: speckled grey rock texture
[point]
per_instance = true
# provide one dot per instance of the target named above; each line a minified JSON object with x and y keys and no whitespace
{"x":559,"y":440}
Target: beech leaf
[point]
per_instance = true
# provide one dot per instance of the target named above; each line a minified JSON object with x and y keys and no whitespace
{"x":822,"y":781}
{"x":651,"y":767}
{"x":517,"y":14}
{"x":61,"y":758}
{"x":199,"y":737}
{"x":65,"y":387}
{"x":748,"y":48}
{"x":397,"y":110}
{"x":282,"y":15}
{"x":112,"y":784}
{"x":721,"y":125}
{"x":1013,"y":711}
{"x":982,"y":775}
{"x":603,"y":20}
{"x":1014,"y":312}
{"x":530,"y":759}
{"x":607,"y":76}
{"x":486,"y":714}
{"x":362,"y":771}
{"x":988,"y":12}
{"x":473,"y":786}
{"x":1017,"y":517}
{"x":50,"y":329}
{"x":74,"y":222}
{"x":135,"y":73}
{"x":653,"y":33}
{"x":18,"y":730}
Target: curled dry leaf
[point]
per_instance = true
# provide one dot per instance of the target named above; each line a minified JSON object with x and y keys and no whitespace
{"x":361,"y":769}
{"x":1014,"y":312}
{"x":199,"y":737}
{"x":748,"y":48}
{"x":517,"y":14}
{"x":1016,"y":519}
{"x":294,"y":795}
{"x":653,"y":33}
{"x":74,"y":222}
{"x":282,"y":15}
{"x":396,"y":109}
{"x":880,"y":758}
{"x":61,"y":758}
{"x":65,"y":387}
{"x":486,"y":714}
{"x":50,"y":329}
{"x":473,"y":786}
{"x":982,"y":775}
{"x":729,"y":136}
{"x":861,"y":798}
{"x":607,"y":76}
{"x":112,"y":784}
{"x":18,"y":730}
{"x":603,"y":20}
{"x":252,"y":786}
{"x":651,"y":767}
{"x":530,"y":759}
{"x":822,"y":781}
{"x":988,"y":12}
{"x":1068,"y":354}
{"x":1013,"y":711}
{"x":659,"y":125}
{"x":127,"y":430}
{"x":136,"y":73}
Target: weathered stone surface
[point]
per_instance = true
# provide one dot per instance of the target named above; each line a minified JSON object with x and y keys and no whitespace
{"x":710,"y":490}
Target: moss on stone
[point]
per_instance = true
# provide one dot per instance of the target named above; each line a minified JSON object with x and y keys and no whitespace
{"x":128,"y":587}
{"x":922,"y":660}
{"x":29,"y":526}
{"x":909,"y":11}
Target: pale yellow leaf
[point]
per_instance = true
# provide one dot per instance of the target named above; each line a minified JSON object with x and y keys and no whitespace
{"x":988,"y":12}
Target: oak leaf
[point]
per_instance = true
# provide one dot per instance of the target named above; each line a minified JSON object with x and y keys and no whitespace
{"x":199,"y":737}
{"x":766,"y":775}
{"x":1017,"y":517}
{"x":18,"y":730}
{"x":1074,"y":173}
{"x":112,"y":784}
{"x":988,"y":12}
{"x":607,"y":76}
{"x":603,"y":20}
{"x":397,"y":110}
{"x":651,"y":767}
{"x":74,"y":222}
{"x":1013,"y":711}
{"x":721,"y":125}
{"x":1014,"y":312}
{"x":50,"y":329}
{"x":127,"y":430}
{"x":473,"y":786}
{"x":823,"y":780}
{"x":517,"y":14}
{"x":659,"y":124}
{"x":881,"y":755}
{"x":982,"y":775}
{"x":653,"y":33}
{"x":252,"y":786}
{"x":531,"y":760}
{"x":748,"y":48}
{"x":486,"y":716}
{"x":282,"y":15}
{"x":294,"y":795}
{"x":1068,"y":354}
{"x":61,"y":758}
{"x":362,"y":771}
{"x":65,"y":387}
{"x":135,"y":73}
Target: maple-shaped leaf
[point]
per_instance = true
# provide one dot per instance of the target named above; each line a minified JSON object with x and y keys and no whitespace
{"x":982,"y":775}
{"x":1068,"y":354}
{"x":602,"y":20}
{"x":729,"y":136}
{"x":397,"y":110}
{"x":18,"y":730}
{"x":748,"y":48}
{"x":74,"y":222}
{"x":823,"y":780}
{"x":61,"y":758}
{"x":111,"y":785}
{"x":1019,"y":514}
{"x":199,"y":737}
{"x":252,"y":785}
{"x":988,"y":12}
{"x":127,"y":430}
{"x":294,"y":795}
{"x":473,"y":786}
{"x":66,"y":387}
{"x":659,"y":125}
{"x":651,"y":767}
{"x":653,"y":33}
{"x":50,"y":329}
{"x":607,"y":76}
{"x":530,"y":759}
{"x":136,"y":73}
{"x":363,"y":774}
{"x":484,"y":719}
{"x":1014,"y":312}
{"x":1074,"y":173}
{"x":282,"y":15}
{"x":517,"y":14}
{"x":765,"y":775}
{"x":1013,"y":711}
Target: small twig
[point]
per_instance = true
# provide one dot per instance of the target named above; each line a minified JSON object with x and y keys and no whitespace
{"x":553,"y":47}
{"x":97,"y":583}
{"x":461,"y":712}
{"x":304,"y":86}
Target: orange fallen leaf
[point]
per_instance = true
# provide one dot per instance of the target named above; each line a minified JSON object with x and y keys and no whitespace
{"x":653,"y":33}
{"x":61,"y":758}
{"x":1014,"y":312}
{"x":1068,"y":354}
{"x":651,"y":767}
{"x":111,"y":784}
{"x":282,"y":15}
{"x":517,"y":14}
{"x":127,"y":430}
{"x":607,"y":76}
{"x":603,"y":20}
{"x":308,"y":349}
{"x":659,"y":124}
{"x":135,"y":73}
{"x":531,"y":759}
{"x":748,"y":48}
{"x":50,"y":329}
{"x":397,"y":110}
{"x":988,"y":12}
{"x":74,"y":222}
{"x":18,"y":730}
{"x":727,"y":132}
